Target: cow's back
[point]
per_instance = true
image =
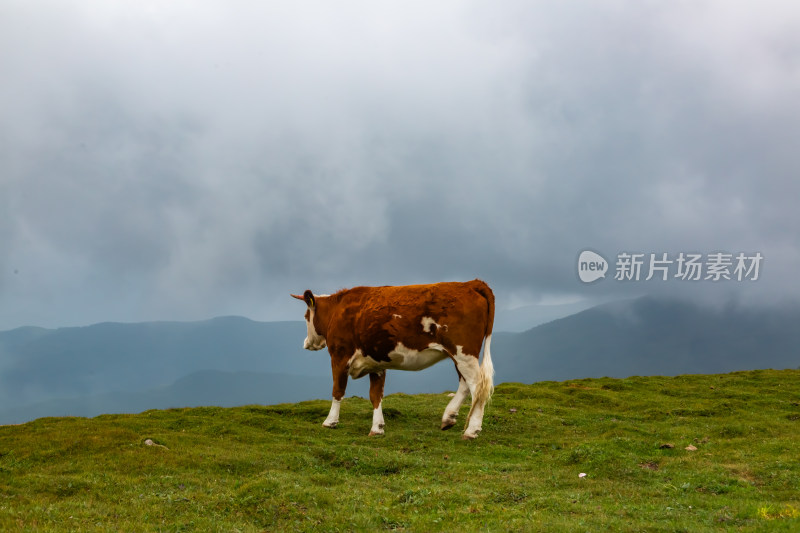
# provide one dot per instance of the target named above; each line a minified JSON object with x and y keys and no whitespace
{"x":452,"y":314}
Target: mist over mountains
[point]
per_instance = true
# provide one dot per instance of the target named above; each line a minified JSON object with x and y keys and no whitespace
{"x":650,"y":336}
{"x":228,"y":361}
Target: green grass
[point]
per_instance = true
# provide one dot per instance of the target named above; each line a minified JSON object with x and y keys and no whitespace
{"x":276,"y":468}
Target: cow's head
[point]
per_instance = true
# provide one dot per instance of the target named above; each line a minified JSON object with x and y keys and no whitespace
{"x":313,"y":340}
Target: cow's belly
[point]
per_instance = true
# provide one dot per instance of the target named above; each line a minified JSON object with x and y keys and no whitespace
{"x":401,"y":358}
{"x":407,"y":359}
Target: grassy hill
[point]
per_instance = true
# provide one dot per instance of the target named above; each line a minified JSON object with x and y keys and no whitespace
{"x":275,"y":468}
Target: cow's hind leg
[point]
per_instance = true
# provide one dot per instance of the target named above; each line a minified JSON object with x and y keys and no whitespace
{"x":376,"y":382}
{"x":451,"y":411}
{"x":470,"y":371}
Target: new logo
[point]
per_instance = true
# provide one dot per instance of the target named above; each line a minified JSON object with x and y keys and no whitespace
{"x":591,"y":266}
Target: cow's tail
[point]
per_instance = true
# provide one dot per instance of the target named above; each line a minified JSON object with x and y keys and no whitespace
{"x":485,"y":388}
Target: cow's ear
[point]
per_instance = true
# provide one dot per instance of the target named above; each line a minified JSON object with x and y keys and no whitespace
{"x":308,"y":296}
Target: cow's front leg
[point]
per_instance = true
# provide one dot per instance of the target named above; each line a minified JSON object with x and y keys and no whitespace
{"x":339,"y":370}
{"x":451,"y":411}
{"x":333,"y":415}
{"x":376,"y":382}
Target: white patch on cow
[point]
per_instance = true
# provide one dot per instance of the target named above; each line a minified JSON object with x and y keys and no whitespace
{"x":357,"y":365}
{"x":427,"y":322}
{"x":400,"y":358}
{"x":377,"y":421}
{"x":333,"y":416}
{"x":313,"y":340}
{"x":409,"y":359}
{"x":395,"y":315}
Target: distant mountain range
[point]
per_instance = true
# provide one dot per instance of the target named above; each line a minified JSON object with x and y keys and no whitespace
{"x":650,"y":336}
{"x":228,"y":361}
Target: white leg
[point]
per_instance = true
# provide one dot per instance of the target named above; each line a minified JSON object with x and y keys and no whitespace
{"x":471,"y":372}
{"x":451,"y":411}
{"x":333,"y":416}
{"x":377,"y":421}
{"x":475,"y":421}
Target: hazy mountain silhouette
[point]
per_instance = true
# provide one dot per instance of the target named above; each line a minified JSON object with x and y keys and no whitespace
{"x":37,"y":364}
{"x":225,"y":361}
{"x":651,"y":336}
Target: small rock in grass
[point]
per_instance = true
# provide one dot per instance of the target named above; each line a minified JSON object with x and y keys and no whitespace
{"x":667,"y":446}
{"x":691,"y":448}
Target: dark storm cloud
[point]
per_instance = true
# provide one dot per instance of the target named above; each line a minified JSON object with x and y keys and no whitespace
{"x":186,"y":160}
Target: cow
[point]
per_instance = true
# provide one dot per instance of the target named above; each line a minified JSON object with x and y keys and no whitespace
{"x":369,"y":330}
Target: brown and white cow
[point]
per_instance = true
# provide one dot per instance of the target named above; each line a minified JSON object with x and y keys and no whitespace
{"x":369,"y":330}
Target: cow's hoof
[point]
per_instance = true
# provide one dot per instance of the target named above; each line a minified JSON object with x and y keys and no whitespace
{"x":331,"y":425}
{"x":470,"y":436}
{"x":374,"y":433}
{"x":447,"y":424}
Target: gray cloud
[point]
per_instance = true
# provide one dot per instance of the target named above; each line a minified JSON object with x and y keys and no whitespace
{"x":185,"y":160}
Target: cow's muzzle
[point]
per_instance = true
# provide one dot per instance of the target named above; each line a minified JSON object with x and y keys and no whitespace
{"x":308,"y":345}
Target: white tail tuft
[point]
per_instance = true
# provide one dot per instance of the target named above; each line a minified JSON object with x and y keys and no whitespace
{"x":486,"y":383}
{"x":485,"y":386}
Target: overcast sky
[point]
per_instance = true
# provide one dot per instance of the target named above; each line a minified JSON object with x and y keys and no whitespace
{"x":179,"y":160}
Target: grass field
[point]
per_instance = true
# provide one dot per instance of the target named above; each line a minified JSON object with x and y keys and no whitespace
{"x":276,"y":468}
